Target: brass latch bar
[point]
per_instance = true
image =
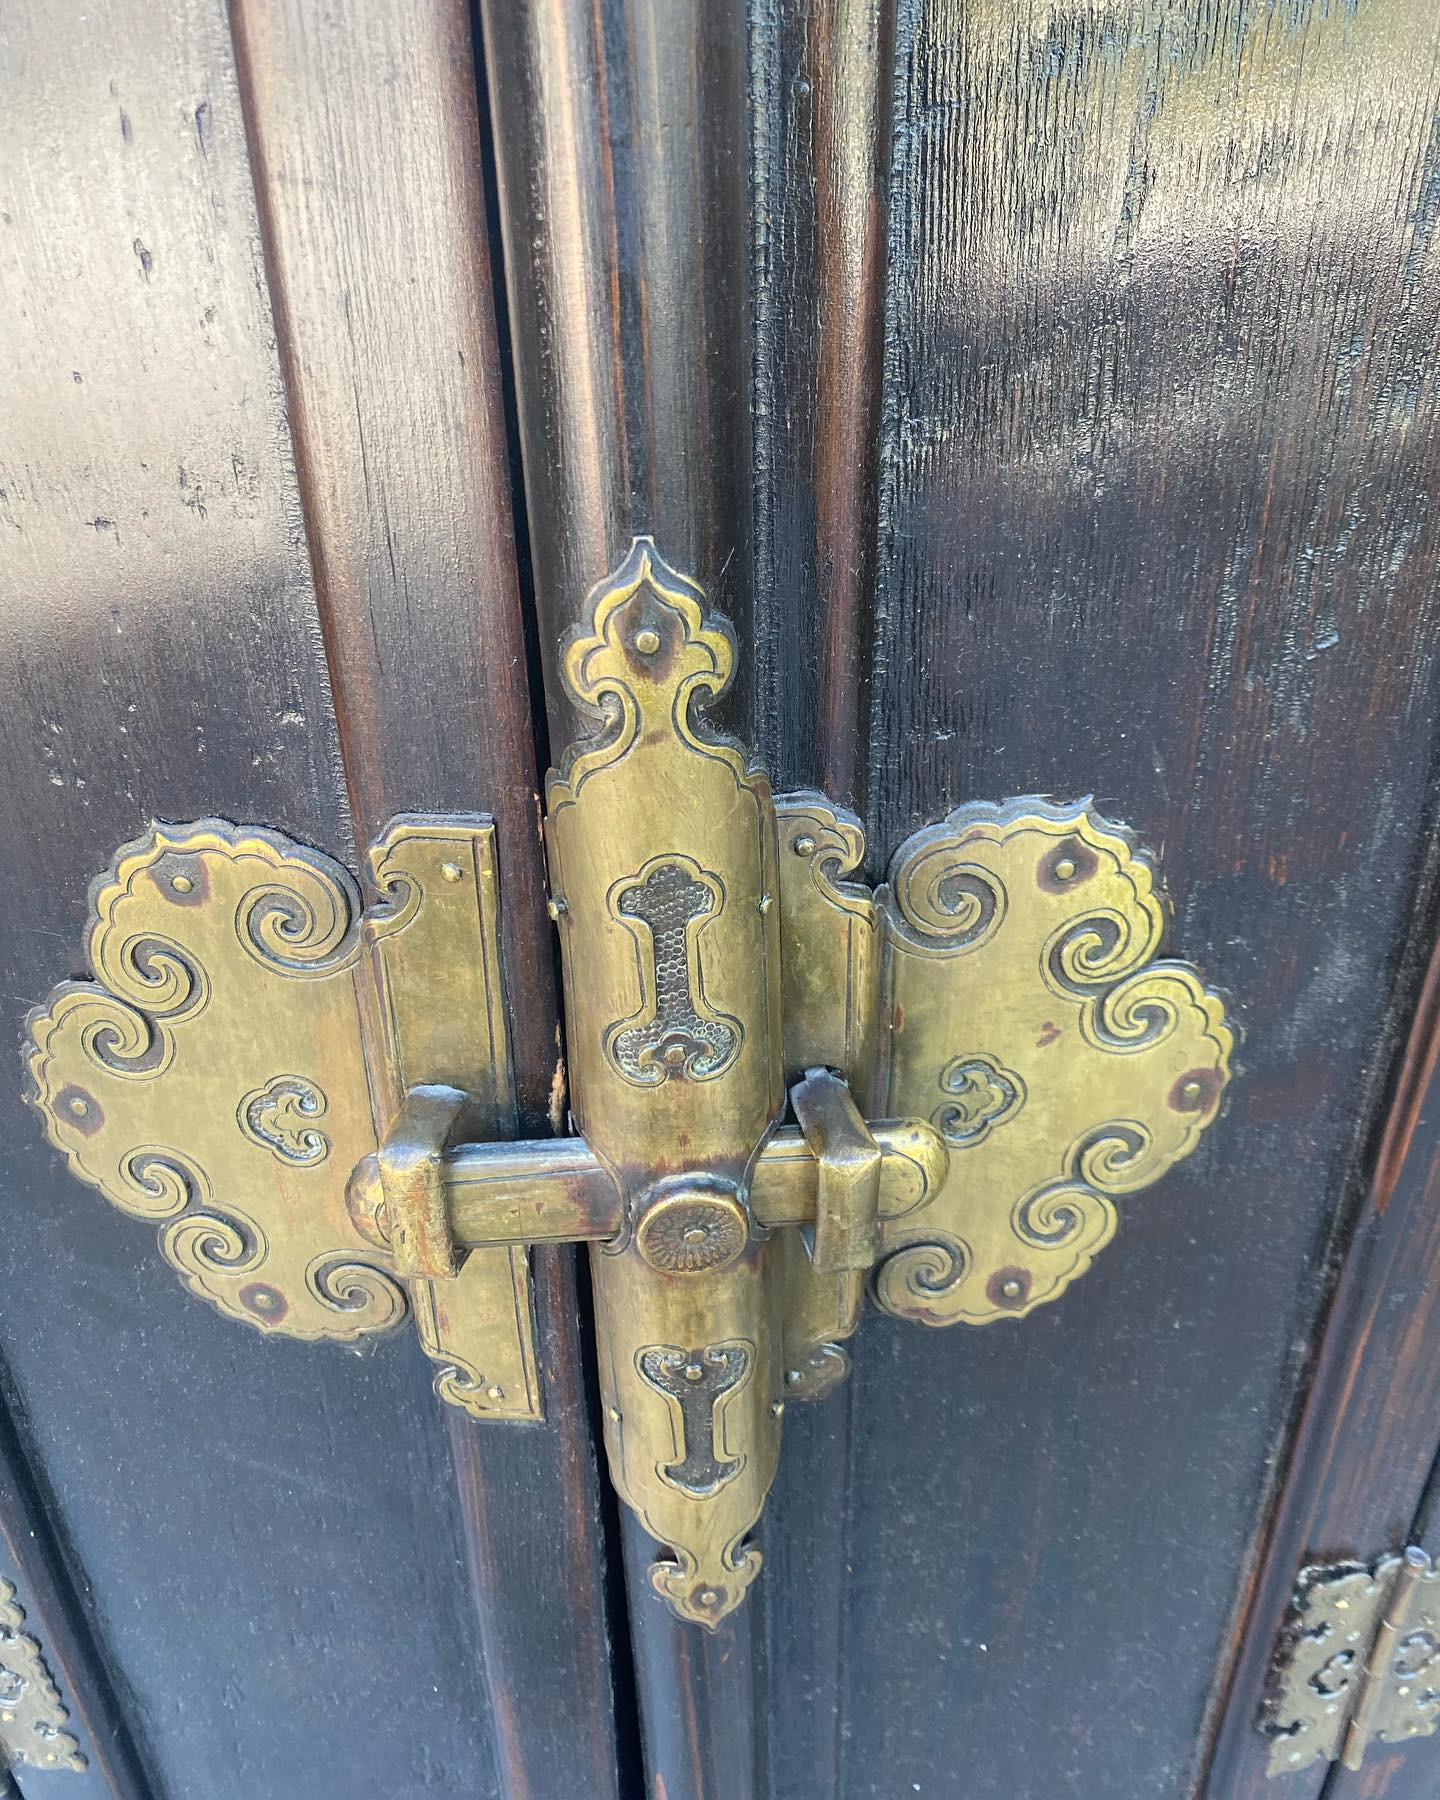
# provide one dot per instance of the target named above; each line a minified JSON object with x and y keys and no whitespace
{"x":556,"y":1190}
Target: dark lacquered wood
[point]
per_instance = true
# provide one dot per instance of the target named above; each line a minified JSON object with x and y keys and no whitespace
{"x":365,"y":142}
{"x":821,"y":80}
{"x":621,"y":141}
{"x":33,"y":1561}
{"x":1136,"y":427}
{"x":821,"y":100}
{"x":268,"y":1545}
{"x":622,"y":150}
{"x":1360,"y":1460}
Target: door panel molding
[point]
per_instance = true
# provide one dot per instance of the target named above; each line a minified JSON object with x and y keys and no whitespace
{"x":366,"y":147}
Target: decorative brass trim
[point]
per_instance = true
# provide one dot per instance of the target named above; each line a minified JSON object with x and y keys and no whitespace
{"x":1358,"y":1660}
{"x":32,"y":1716}
{"x":1064,"y":1066}
{"x":217,"y":1075}
{"x":980,"y":1058}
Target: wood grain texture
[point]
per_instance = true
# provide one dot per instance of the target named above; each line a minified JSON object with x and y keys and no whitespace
{"x":366,"y":147}
{"x":366,"y":150}
{"x":271,"y":1549}
{"x":621,"y":141}
{"x":622,"y":153}
{"x":821,"y":128}
{"x":1359,"y":1463}
{"x":1155,"y":521}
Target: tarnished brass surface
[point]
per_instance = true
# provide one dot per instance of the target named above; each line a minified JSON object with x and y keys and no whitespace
{"x":214,"y":1076}
{"x":439,"y":1018}
{"x":661,"y":844}
{"x":315,"y":1106}
{"x":32,"y":1715}
{"x":1028,"y":1022}
{"x":1356,"y":1662}
{"x":830,"y":944}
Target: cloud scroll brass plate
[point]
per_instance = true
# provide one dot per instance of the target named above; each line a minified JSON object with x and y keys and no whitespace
{"x":1356,"y":1663}
{"x":216,"y":1076}
{"x":1064,"y":1066}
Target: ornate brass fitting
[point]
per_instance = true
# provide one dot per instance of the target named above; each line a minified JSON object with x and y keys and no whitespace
{"x":313,"y":1103}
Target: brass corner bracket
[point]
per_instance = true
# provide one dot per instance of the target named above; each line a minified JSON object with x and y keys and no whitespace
{"x":312,"y":1101}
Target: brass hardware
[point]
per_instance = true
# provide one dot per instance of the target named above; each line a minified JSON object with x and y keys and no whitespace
{"x":32,"y":1715}
{"x":1085,"y":1069}
{"x":980,"y":1057}
{"x":1356,"y":1662}
{"x":218,"y":1074}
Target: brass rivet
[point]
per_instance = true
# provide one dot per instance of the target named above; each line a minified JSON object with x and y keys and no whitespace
{"x":765,"y":902}
{"x":707,"y":1597}
{"x":1342,"y":1606}
{"x":495,"y":1393}
{"x":804,"y":845}
{"x":1012,"y":1289}
{"x":693,"y":1371}
{"x":1064,"y":869}
{"x":451,"y":871}
{"x":697,"y":1234}
{"x":1192,"y":1090}
{"x":556,"y":906}
{"x":79,"y":1107}
{"x":647,"y":642}
{"x":776,"y":1408}
{"x":182,"y":884}
{"x":9,"y":1718}
{"x":792,"y":1377}
{"x":613,"y":1412}
{"x":674,"y":1055}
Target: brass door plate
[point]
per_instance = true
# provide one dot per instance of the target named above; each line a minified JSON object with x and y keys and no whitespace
{"x":1358,"y":1661}
{"x":312,"y":1103}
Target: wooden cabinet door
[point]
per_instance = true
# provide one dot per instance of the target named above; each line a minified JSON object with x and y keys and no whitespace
{"x":260,"y":564}
{"x":1045,"y":392}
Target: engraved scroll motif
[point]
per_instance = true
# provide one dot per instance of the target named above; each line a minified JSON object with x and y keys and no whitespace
{"x":213,"y":948}
{"x":32,"y":1716}
{"x":676,"y":1036}
{"x":1086,"y":1069}
{"x":697,"y":1380}
{"x":279,"y":1116}
{"x":984,"y":1096}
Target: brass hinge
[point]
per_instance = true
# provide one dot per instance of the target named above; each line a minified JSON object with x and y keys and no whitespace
{"x":785,"y":1085}
{"x":1356,"y":1661}
{"x":32,"y":1715}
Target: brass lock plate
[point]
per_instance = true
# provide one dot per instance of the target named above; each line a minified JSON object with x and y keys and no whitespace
{"x":311,"y":1099}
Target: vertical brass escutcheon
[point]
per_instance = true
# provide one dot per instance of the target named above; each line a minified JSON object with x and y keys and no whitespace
{"x":662,"y":854}
{"x":313,"y":1101}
